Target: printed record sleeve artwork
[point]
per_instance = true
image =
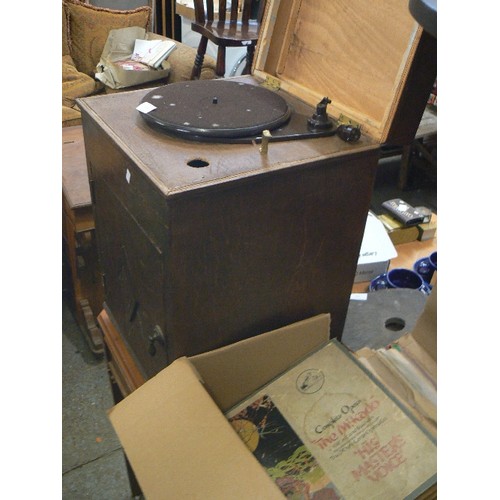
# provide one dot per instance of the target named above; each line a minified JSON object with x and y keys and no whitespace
{"x":326,"y":430}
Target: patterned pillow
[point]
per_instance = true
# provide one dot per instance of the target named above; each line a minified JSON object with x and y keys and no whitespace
{"x":65,"y":43}
{"x":88,"y":29}
{"x":74,"y":83}
{"x":70,"y":117}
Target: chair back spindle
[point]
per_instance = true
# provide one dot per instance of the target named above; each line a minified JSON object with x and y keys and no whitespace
{"x":204,"y":10}
{"x":237,"y":31}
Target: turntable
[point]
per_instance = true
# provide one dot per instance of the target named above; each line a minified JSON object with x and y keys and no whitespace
{"x":235,"y":112}
{"x":229,"y":208}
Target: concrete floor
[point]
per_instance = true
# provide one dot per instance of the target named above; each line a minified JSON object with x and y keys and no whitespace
{"x":93,"y":464}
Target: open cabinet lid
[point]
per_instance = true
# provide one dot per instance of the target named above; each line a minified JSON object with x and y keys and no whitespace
{"x":358,"y":53}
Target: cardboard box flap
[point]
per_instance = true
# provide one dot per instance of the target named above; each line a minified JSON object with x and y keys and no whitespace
{"x":425,"y":330}
{"x":181,"y":446}
{"x":376,"y":245}
{"x":376,"y":252}
{"x":356,"y":52}
{"x":242,"y":362}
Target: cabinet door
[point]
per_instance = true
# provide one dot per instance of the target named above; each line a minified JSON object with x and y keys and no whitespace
{"x":133,"y":277}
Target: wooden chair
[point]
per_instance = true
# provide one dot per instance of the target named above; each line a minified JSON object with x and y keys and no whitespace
{"x":240,"y":30}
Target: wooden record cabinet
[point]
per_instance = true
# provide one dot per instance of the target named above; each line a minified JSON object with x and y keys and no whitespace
{"x":198,"y":257}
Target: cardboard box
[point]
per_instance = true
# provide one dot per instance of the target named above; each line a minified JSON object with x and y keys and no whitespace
{"x":398,"y":233}
{"x":376,"y":252}
{"x":428,"y":231}
{"x":173,"y":428}
{"x":119,"y":47}
{"x":326,"y":427}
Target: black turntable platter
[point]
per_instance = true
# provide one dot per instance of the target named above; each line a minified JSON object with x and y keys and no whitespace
{"x":216,"y":108}
{"x":223,"y":111}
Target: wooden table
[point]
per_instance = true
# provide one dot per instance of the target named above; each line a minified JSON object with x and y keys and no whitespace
{"x":124,"y":373}
{"x":79,"y":237}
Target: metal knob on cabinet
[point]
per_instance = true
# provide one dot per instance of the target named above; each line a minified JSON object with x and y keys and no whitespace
{"x":156,"y":337}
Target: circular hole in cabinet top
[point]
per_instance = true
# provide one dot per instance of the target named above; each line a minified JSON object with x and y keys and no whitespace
{"x":198,"y":163}
{"x":395,"y":324}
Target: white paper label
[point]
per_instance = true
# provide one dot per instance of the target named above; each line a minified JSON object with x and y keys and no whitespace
{"x":359,"y":296}
{"x":145,"y":107}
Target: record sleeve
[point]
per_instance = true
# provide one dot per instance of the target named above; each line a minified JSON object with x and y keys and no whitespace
{"x":326,"y":429}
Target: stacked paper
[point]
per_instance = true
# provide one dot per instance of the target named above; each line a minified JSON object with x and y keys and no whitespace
{"x":152,"y":52}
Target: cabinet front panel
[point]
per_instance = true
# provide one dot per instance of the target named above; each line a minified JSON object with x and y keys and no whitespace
{"x":267,"y":253}
{"x":133,"y":270}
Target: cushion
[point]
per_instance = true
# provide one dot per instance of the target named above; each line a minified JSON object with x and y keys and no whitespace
{"x":74,"y":83}
{"x":71,"y":117}
{"x":65,"y":43}
{"x":88,"y":29}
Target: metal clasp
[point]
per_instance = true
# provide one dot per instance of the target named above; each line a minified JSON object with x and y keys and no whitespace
{"x":156,"y":337}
